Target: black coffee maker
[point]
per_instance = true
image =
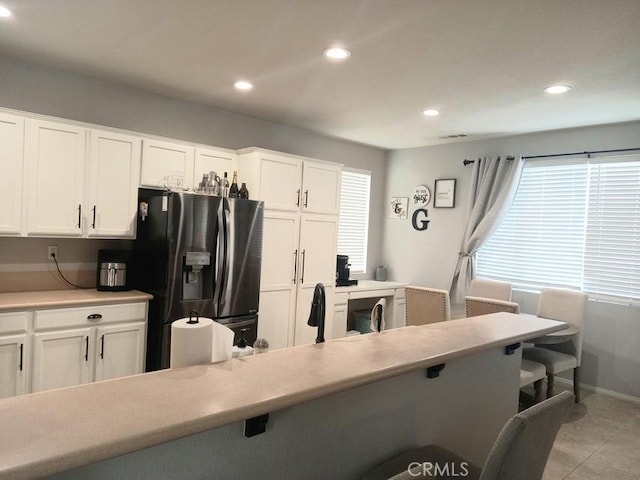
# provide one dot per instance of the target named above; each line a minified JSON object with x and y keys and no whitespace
{"x":343,"y":272}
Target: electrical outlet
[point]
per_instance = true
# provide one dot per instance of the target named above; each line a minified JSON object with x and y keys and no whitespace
{"x":52,"y":250}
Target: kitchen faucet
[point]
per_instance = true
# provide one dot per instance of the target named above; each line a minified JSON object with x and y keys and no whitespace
{"x":318,"y":310}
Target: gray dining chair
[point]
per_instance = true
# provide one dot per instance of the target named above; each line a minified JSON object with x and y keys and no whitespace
{"x":426,"y":305}
{"x":566,"y":306}
{"x":482,"y":287}
{"x":530,"y":371}
{"x":519,"y":453}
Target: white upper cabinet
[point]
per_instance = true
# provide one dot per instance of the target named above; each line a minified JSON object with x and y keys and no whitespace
{"x":321,"y":188}
{"x":289,"y":183}
{"x":112,"y":196}
{"x":55,"y":158}
{"x":166,"y":164}
{"x":213,"y":160}
{"x":11,"y":173}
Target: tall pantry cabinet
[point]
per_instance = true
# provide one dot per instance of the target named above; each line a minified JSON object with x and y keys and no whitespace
{"x":302,"y":200}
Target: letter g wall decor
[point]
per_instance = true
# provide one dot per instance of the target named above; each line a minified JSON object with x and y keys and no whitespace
{"x":424,"y":224}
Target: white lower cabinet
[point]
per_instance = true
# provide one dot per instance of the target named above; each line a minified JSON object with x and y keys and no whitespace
{"x":61,"y":359}
{"x":62,"y":347}
{"x":13,"y":374}
{"x":14,"y":353}
{"x":119,"y":350}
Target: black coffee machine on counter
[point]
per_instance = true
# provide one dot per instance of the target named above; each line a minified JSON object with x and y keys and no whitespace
{"x":343,"y":272}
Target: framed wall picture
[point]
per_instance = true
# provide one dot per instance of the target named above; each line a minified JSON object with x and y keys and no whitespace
{"x":445,"y":193}
{"x":398,"y":207}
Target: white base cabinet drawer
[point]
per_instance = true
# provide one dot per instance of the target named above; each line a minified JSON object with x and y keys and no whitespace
{"x":89,"y":316}
{"x":14,"y":322}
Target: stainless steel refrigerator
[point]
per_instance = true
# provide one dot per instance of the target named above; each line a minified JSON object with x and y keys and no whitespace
{"x":197,"y":253}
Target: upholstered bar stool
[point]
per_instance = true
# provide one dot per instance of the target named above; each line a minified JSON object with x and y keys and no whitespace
{"x":520,"y":452}
{"x":426,"y":305}
{"x":566,"y":306}
{"x":481,"y":287}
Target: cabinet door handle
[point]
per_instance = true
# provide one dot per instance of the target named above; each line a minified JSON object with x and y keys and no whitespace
{"x":86,"y":348}
{"x":21,"y":354}
{"x":306,"y":198}
{"x":295,"y":266}
{"x":102,"y":347}
{"x":93,"y":224}
{"x":302,"y":276}
{"x":94,"y":316}
{"x":79,"y":214}
{"x":298,"y":200}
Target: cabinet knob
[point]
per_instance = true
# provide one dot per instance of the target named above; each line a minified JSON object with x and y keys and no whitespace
{"x":94,"y":316}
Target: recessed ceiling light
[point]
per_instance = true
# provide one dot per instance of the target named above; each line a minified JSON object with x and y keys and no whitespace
{"x":4,"y":11}
{"x":555,"y":89}
{"x":243,"y":86}
{"x":337,"y":53}
{"x":431,"y":113}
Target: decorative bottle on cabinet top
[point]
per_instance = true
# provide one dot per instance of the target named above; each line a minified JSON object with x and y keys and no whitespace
{"x":244,"y":193}
{"x":233,"y":190}
{"x":381,"y":274}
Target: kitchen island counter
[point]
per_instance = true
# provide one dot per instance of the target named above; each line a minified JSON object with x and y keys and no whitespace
{"x":59,"y":430}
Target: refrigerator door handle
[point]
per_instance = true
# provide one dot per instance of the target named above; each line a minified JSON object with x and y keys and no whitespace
{"x":222,"y":280}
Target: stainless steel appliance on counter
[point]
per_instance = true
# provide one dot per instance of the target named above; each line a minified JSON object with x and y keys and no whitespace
{"x":112,"y":270}
{"x":197,"y":252}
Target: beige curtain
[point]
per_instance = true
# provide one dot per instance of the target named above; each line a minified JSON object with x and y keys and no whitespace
{"x":494,"y":183}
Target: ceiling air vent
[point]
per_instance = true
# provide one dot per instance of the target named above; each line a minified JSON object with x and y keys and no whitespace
{"x":457,"y":135}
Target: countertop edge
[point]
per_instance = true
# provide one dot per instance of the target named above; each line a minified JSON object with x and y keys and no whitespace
{"x":66,"y":299}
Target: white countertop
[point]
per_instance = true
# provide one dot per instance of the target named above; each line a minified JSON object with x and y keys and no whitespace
{"x":57,"y":430}
{"x":66,"y":298}
{"x":370,"y":285}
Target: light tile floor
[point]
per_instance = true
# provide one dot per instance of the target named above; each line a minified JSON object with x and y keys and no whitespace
{"x":599,"y":441}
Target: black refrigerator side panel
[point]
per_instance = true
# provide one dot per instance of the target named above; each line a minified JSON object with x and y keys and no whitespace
{"x":149,"y":267}
{"x":238,"y":285}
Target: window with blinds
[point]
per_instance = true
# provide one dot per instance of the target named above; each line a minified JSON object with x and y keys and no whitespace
{"x":353,"y":227}
{"x":573,"y":225}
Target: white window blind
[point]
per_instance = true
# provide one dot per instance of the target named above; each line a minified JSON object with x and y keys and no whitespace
{"x":612,"y":246}
{"x":353,"y":227}
{"x":541,"y":240}
{"x":574,"y":225}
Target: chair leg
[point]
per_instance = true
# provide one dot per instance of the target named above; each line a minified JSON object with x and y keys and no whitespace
{"x":537,"y":386}
{"x":576,"y":383}
{"x":550,"y":381}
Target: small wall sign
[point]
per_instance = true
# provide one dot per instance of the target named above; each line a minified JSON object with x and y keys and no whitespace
{"x":445,"y":193}
{"x":421,"y":196}
{"x":398,"y":207}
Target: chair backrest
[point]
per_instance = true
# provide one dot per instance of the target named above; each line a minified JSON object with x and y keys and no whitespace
{"x":426,"y":305}
{"x":378,"y":314}
{"x":566,"y":306}
{"x":481,"y":287}
{"x":522,"y":448}
{"x":482,"y":306}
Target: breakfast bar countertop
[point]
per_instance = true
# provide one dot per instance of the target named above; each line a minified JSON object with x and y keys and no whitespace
{"x":54,"y":431}
{"x":66,"y":298}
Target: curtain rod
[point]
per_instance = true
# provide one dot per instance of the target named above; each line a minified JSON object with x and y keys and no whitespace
{"x":468,"y":162}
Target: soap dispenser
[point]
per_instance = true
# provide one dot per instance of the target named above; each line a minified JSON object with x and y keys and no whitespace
{"x":242,"y":349}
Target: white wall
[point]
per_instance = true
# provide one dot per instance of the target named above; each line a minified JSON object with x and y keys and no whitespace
{"x":39,"y":89}
{"x":611,"y":358}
